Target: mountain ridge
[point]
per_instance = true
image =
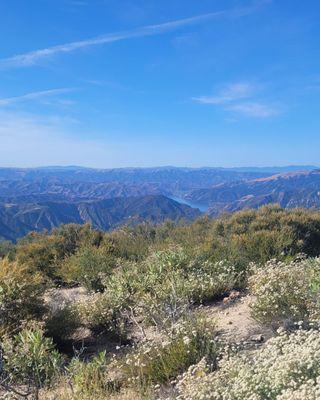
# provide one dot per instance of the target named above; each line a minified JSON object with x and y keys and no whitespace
{"x":45,"y":198}
{"x":16,"y":220}
{"x":289,"y":190}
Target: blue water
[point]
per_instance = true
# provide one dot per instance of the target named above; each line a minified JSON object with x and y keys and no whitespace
{"x":201,"y":207}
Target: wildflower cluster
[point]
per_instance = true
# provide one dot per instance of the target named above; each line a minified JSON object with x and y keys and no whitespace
{"x":286,"y":292}
{"x":161,"y":361}
{"x":287,"y":367}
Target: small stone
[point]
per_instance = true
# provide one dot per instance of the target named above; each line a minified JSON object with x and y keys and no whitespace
{"x":234,"y":295}
{"x":257,"y":338}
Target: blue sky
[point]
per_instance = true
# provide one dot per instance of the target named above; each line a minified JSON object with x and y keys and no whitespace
{"x":117,"y":83}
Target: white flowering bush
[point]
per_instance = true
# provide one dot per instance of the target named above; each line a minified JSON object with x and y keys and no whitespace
{"x":168,"y":296}
{"x":172,"y":282}
{"x":308,"y":391}
{"x":196,"y":279}
{"x":161,"y":361}
{"x":208,"y":280}
{"x":286,"y":292}
{"x":287,"y":367}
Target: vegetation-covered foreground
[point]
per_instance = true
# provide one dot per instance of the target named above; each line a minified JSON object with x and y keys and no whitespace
{"x":124,"y":314}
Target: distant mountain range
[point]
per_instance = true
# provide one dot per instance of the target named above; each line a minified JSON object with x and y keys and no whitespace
{"x":289,"y":190}
{"x":43,"y":198}
{"x":16,"y":220}
{"x":197,"y":177}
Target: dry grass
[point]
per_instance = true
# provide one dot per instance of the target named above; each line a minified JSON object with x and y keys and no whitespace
{"x":65,"y":393}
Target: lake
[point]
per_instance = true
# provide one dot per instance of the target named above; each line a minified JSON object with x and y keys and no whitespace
{"x":201,"y":207}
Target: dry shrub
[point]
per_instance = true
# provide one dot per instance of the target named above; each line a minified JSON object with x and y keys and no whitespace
{"x":20,"y":296}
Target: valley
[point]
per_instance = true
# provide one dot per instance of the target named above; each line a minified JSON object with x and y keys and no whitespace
{"x":45,"y":198}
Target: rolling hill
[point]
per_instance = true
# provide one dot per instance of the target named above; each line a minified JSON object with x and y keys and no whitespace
{"x":44,"y":198}
{"x":289,"y":190}
{"x":16,"y":220}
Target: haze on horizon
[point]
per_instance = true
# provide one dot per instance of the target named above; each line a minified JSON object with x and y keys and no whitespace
{"x":276,"y":168}
{"x":135,"y":83}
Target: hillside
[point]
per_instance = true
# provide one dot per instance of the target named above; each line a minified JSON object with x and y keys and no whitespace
{"x":289,"y":190}
{"x":217,"y":309}
{"x":56,"y":190}
{"x":16,"y":220}
{"x":175,"y":176}
{"x":76,"y":184}
{"x":43,"y":198}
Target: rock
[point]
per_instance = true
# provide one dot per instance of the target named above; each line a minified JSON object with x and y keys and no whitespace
{"x":234,"y":294}
{"x":257,"y":338}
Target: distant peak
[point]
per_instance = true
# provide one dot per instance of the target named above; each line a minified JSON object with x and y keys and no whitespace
{"x":289,"y":175}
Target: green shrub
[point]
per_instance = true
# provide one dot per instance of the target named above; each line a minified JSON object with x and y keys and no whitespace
{"x":172,"y":282}
{"x":44,"y":252}
{"x":157,"y":291}
{"x":130,"y":243}
{"x":210,"y":280}
{"x":62,"y":323}
{"x":7,"y":249}
{"x":29,"y":358}
{"x":108,"y":311}
{"x":266,"y":233}
{"x":90,"y":378}
{"x":40,"y":253}
{"x":88,"y":267}
{"x":192,"y":277}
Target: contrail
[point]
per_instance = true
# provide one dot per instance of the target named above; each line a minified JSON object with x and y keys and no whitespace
{"x":32,"y":57}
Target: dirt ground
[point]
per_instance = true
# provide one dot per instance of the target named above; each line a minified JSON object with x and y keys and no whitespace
{"x":231,"y":317}
{"x":234,"y":322}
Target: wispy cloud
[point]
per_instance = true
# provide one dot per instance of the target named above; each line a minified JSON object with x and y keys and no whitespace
{"x":31,"y":140}
{"x":32,"y":57}
{"x":33,"y":96}
{"x":45,"y":140}
{"x":230,"y":93}
{"x":255,"y":109}
{"x":241,"y":98}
